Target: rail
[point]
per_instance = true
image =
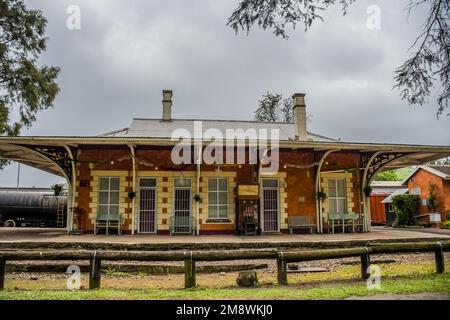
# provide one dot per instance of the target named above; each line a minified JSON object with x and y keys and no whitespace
{"x":190,"y":257}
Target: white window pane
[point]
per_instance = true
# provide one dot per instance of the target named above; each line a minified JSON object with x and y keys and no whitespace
{"x":223,"y":212}
{"x":212,"y":198}
{"x":113,"y":209}
{"x":212,"y":212}
{"x":333,"y":208}
{"x":102,"y":209}
{"x":182,"y":182}
{"x":341,"y":188}
{"x":332,"y":188}
{"x":341,"y":205}
{"x":147,"y":183}
{"x":270,"y":183}
{"x":212,"y":184}
{"x":104,"y":183}
{"x":114,"y":184}
{"x":223,"y":184}
{"x":103,"y":197}
{"x":114,"y":198}
{"x":223,"y":198}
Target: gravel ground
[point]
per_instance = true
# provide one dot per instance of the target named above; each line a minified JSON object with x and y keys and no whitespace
{"x":330,"y":264}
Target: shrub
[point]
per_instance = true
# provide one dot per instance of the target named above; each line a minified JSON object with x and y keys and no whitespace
{"x":432,"y":202}
{"x":446,"y":224}
{"x":405,"y":207}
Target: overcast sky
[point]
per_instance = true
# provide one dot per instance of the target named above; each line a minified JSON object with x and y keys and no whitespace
{"x":115,"y":66}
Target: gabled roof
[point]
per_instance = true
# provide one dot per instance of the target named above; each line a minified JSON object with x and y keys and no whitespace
{"x":157,"y":128}
{"x":442,"y":171}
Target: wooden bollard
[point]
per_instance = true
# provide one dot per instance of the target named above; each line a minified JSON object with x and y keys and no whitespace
{"x":365,"y":265}
{"x":94,"y":274}
{"x":281,"y":270}
{"x":2,"y":273}
{"x":439,"y":256}
{"x":189,"y":274}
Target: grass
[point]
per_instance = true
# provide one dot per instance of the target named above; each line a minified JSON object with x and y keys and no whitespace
{"x":341,"y":283}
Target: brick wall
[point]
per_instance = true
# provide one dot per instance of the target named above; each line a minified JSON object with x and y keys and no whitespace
{"x":296,"y":176}
{"x":421,"y":180}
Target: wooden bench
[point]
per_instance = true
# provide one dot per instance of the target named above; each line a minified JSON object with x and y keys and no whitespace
{"x":300,"y":222}
{"x":107,"y":221}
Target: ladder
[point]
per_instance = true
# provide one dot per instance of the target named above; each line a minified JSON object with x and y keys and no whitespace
{"x":60,"y":212}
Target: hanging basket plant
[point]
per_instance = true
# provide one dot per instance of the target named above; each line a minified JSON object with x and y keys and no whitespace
{"x":131,"y":195}
{"x":197,"y":198}
{"x":367,"y":191}
{"x":321,"y":196}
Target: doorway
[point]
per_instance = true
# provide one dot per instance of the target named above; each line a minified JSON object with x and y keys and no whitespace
{"x":270,"y":205}
{"x":147,"y":205}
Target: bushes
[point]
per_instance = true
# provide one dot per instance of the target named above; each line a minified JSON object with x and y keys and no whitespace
{"x":405,"y":207}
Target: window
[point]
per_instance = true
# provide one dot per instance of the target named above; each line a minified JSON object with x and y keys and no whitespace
{"x":108,"y":197}
{"x":337,"y":197}
{"x":217,"y":198}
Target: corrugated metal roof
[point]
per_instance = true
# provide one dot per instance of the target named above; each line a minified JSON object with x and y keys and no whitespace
{"x":445,"y":169}
{"x":157,"y":128}
{"x":395,"y":193}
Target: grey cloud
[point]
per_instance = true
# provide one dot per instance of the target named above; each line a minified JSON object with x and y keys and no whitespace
{"x":115,"y":67}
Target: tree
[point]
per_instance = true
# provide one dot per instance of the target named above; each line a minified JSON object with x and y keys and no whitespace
{"x":415,"y":78}
{"x":390,"y":175}
{"x":25,"y":87}
{"x":273,"y":108}
{"x":441,"y":162}
{"x":287,"y":111}
{"x":57,"y":188}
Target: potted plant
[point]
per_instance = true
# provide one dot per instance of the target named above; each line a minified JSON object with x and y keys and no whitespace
{"x":197,"y":197}
{"x":367,"y":190}
{"x":131,"y":195}
{"x":321,"y":196}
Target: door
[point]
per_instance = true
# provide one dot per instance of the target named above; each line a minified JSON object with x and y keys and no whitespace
{"x":270,"y":205}
{"x":147,"y":205}
{"x":182,"y":206}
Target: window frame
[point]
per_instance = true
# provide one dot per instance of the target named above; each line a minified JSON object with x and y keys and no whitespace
{"x":218,"y":205}
{"x":109,"y":191}
{"x":336,"y":198}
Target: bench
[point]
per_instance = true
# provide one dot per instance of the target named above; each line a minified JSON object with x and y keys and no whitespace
{"x":183,"y":225}
{"x":300,"y":222}
{"x":344,"y":220}
{"x":107,"y":221}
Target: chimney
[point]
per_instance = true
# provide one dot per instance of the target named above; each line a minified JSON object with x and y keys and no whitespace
{"x":300,"y":116}
{"x":167,"y":105}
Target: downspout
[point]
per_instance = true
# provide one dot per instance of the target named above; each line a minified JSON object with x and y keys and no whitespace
{"x":133,"y":183}
{"x":197,"y":206}
{"x":72,"y":190}
{"x":317,"y":185}
{"x":367,"y":217}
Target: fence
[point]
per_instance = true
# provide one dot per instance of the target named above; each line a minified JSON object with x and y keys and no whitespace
{"x":190,"y":257}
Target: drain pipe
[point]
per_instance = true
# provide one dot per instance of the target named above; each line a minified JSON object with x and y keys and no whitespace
{"x":133,"y":183}
{"x":197,"y":203}
{"x":72,"y":187}
{"x":317,"y":187}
